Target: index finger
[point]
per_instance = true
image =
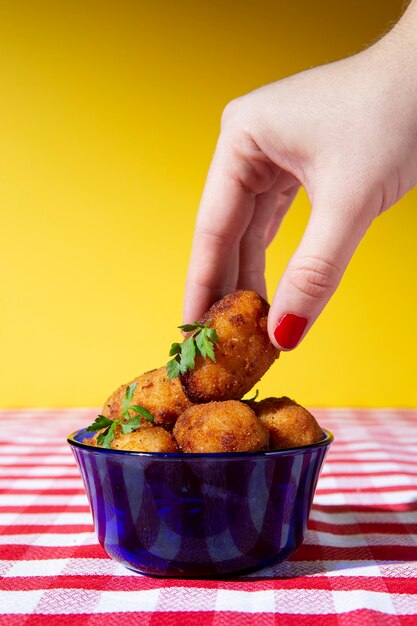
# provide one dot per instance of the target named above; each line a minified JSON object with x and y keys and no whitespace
{"x":237,"y":173}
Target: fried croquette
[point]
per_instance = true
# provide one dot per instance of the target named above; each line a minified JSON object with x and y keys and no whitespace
{"x":243,"y":352}
{"x":289,"y":424}
{"x":152,"y":439}
{"x":164,"y":398}
{"x":228,"y":426}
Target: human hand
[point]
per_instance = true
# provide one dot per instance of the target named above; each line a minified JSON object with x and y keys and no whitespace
{"x":347,"y":132}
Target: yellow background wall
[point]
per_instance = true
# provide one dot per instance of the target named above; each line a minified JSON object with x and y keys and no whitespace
{"x":109,"y":114}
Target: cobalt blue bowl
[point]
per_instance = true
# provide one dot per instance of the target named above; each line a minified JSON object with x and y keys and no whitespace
{"x":199,"y":515}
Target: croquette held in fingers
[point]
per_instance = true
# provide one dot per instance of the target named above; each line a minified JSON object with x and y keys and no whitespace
{"x":289,"y":424}
{"x":162,"y":397}
{"x":228,"y":426}
{"x":243,"y":351}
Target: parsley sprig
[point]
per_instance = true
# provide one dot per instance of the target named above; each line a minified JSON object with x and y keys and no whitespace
{"x":127,"y":423}
{"x":200,"y":342}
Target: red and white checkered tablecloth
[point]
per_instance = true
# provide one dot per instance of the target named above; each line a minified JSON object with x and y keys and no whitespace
{"x":357,"y":566}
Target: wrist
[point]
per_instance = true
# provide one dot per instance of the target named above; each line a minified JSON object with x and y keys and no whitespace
{"x":396,"y":52}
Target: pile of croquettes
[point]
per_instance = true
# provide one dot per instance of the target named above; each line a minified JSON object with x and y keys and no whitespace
{"x":200,"y":408}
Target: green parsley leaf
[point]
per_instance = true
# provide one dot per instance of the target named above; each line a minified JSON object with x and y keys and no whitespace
{"x":200,"y":342}
{"x":173,"y":368}
{"x":99,"y":423}
{"x":104,"y":439}
{"x":212,"y":335}
{"x":210,"y":351}
{"x":130,"y":390}
{"x":101,"y":437}
{"x":204,"y":344}
{"x":131,"y":425}
{"x":143,"y":413}
{"x":189,"y":327}
{"x":175,"y":349}
{"x":187,"y":355}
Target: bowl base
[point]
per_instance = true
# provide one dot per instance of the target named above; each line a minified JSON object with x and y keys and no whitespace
{"x":207,"y":571}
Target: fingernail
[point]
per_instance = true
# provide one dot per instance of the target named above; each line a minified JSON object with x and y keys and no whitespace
{"x":289,"y":330}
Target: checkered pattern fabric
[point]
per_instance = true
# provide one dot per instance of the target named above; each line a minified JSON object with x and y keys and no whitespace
{"x":357,"y":566}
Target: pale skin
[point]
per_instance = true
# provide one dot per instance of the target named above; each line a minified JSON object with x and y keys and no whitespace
{"x":347,"y":133}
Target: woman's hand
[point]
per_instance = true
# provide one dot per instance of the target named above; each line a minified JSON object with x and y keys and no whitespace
{"x":347,"y":132}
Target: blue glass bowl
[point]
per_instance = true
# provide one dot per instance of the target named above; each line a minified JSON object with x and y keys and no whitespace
{"x":199,"y":515}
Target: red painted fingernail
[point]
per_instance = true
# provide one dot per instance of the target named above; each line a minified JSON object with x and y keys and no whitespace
{"x":289,"y":330}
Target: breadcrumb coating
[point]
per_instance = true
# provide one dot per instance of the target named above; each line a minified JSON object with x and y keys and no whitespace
{"x":164,"y":398}
{"x":289,"y":424}
{"x":228,"y":426}
{"x":153,"y":439}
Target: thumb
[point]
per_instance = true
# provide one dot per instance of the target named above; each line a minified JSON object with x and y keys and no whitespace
{"x":315,"y":270}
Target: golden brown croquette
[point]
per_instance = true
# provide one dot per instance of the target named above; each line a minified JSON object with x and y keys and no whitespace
{"x":243,"y":353}
{"x":228,"y":426}
{"x":164,"y":398}
{"x":289,"y":424}
{"x":153,"y":439}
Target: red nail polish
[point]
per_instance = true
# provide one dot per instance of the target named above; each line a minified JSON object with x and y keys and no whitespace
{"x":289,"y":330}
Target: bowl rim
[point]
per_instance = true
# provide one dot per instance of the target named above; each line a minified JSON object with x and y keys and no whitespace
{"x":325,"y":442}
